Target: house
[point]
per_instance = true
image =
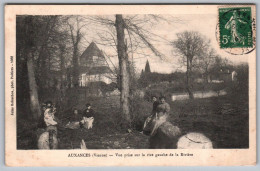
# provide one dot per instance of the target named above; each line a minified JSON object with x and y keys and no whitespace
{"x":94,"y":67}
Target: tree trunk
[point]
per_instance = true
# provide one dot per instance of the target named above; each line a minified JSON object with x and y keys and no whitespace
{"x":124,"y":75}
{"x":63,"y":72}
{"x":188,"y":79}
{"x":62,"y":65}
{"x":75,"y":70}
{"x":75,"y":74}
{"x":206,"y":76}
{"x":34,"y":101}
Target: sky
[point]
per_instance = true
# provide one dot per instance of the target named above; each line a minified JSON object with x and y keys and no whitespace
{"x":166,"y":31}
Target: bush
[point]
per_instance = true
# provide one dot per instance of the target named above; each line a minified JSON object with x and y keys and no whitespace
{"x":140,"y":110}
{"x":240,"y":85}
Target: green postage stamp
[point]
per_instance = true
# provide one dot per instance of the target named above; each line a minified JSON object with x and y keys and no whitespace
{"x":235,"y":27}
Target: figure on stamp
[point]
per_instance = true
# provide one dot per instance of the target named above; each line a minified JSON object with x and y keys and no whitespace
{"x":232,"y":25}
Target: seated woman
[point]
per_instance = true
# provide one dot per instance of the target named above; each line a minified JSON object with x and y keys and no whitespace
{"x":76,"y":117}
{"x":161,"y":116}
{"x":49,"y":118}
{"x":163,"y":108}
{"x":48,"y":139}
{"x":75,"y":121}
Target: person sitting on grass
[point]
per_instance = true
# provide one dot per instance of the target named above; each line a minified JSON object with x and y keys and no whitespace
{"x":88,"y":117}
{"x":76,"y":117}
{"x":149,"y":119}
{"x":41,"y":121}
{"x":89,"y":112}
{"x":51,"y":131}
{"x":155,"y":104}
{"x":163,"y":108}
{"x":49,"y":117}
{"x":162,"y":114}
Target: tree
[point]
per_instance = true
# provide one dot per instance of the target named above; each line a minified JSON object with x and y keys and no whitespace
{"x":34,"y":100}
{"x":147,"y":67}
{"x":42,"y":47}
{"x":190,"y":46}
{"x":48,"y":24}
{"x":124,"y":75}
{"x":133,"y":29}
{"x":75,"y":38}
{"x":25,"y":45}
{"x":206,"y":61}
{"x":219,"y":65}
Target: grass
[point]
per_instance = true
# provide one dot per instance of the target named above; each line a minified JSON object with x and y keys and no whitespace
{"x":223,"y":119}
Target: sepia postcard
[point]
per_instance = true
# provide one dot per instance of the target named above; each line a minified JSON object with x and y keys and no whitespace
{"x":130,"y":85}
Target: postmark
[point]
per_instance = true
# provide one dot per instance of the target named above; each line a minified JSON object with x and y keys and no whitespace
{"x":235,"y":31}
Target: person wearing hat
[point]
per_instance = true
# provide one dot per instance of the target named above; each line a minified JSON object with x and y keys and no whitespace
{"x":49,"y":117}
{"x":89,"y":112}
{"x":41,"y":121}
{"x":50,"y":124}
{"x":162,"y":114}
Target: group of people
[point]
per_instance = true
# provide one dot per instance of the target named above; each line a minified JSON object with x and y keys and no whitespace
{"x":78,"y":117}
{"x":49,"y":121}
{"x":159,"y":115}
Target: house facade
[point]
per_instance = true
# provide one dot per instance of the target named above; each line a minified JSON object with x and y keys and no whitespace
{"x":94,"y":67}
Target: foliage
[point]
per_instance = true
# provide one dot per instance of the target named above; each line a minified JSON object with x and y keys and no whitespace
{"x":241,"y":84}
{"x":147,"y":79}
{"x":190,"y":46}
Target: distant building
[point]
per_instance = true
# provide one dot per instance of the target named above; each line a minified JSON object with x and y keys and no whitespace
{"x":223,"y":75}
{"x":94,"y":67}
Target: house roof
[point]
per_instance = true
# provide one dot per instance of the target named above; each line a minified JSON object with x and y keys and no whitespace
{"x":92,"y":50}
{"x":89,"y":66}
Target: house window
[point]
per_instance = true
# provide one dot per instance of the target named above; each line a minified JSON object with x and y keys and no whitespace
{"x":95,"y":58}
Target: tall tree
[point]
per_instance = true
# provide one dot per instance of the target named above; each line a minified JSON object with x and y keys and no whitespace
{"x":29,"y":44}
{"x":62,"y":64}
{"x":147,"y":67}
{"x":34,"y":100}
{"x":189,"y":45}
{"x":206,"y":61}
{"x":123,"y":62}
{"x":219,"y":65}
{"x":133,"y":29}
{"x":75,"y":38}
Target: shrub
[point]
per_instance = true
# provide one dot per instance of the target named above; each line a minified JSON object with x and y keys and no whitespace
{"x":140,"y":110}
